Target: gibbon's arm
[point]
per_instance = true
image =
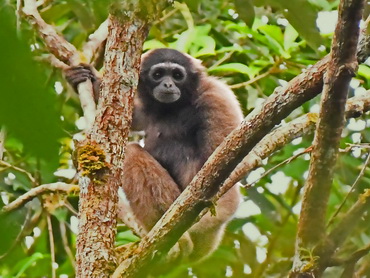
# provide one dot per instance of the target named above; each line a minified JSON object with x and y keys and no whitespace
{"x":221,"y":110}
{"x":78,"y":74}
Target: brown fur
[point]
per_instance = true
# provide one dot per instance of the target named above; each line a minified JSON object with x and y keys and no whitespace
{"x":149,"y":186}
{"x":180,"y":136}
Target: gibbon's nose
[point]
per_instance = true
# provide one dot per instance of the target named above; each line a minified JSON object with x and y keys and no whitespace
{"x":168,"y":84}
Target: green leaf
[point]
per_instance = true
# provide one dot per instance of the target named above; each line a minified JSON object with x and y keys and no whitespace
{"x":275,"y":37}
{"x":233,"y":67}
{"x":11,"y":226}
{"x":84,"y":13}
{"x":302,"y":15}
{"x":290,"y":35}
{"x":274,"y":32}
{"x":207,"y":46}
{"x":27,"y":106}
{"x":185,"y":13}
{"x":184,"y":41}
{"x":152,"y":44}
{"x":193,"y":4}
{"x":364,"y":71}
{"x":126,"y":237}
{"x":245,"y":10}
{"x":24,"y":264}
{"x":53,"y":12}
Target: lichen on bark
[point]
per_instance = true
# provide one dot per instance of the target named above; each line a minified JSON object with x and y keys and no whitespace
{"x":91,"y":160}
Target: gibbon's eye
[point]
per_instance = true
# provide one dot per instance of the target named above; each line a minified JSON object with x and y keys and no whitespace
{"x":158,"y":74}
{"x":178,"y":75}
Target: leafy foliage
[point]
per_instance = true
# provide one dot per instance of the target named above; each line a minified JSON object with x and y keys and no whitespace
{"x":254,"y":46}
{"x":27,"y":104}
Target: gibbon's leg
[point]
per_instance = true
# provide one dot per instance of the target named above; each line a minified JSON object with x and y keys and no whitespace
{"x":149,"y":188}
{"x":150,"y":191}
{"x":208,"y":232}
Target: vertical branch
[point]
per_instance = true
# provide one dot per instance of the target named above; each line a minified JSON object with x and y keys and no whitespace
{"x":65,"y":54}
{"x":95,"y":40}
{"x":100,"y":157}
{"x":340,"y":70}
{"x":106,"y":145}
{"x":2,"y":142}
{"x":52,"y":246}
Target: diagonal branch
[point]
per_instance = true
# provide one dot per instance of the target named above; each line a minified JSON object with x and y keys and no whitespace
{"x":198,"y":194}
{"x":342,"y":230}
{"x":42,"y":189}
{"x":64,"y":55}
{"x":235,"y":147}
{"x":56,"y":44}
{"x":95,"y":40}
{"x":7,"y":165}
{"x":304,"y":125}
{"x":351,"y":190}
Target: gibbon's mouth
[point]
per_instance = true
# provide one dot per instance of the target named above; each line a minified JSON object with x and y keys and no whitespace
{"x":167,"y":96}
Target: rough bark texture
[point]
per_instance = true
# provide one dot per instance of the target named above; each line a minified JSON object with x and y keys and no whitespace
{"x":302,"y":126}
{"x":101,"y":156}
{"x":56,"y":44}
{"x":340,"y":70}
{"x":343,"y":229}
{"x":99,"y":185}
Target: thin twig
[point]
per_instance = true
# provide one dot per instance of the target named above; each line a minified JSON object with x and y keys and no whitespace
{"x":223,"y":59}
{"x":343,"y":228}
{"x":273,"y":239}
{"x":66,"y":53}
{"x":353,"y":146}
{"x":273,"y":69}
{"x":42,"y":189}
{"x":355,"y":183}
{"x":52,"y":247}
{"x":28,"y":174}
{"x":354,"y":257}
{"x":286,"y":161}
{"x":63,"y":232}
{"x":20,"y":236}
{"x":2,"y":142}
{"x":166,"y":16}
{"x":52,"y":60}
{"x":70,"y":208}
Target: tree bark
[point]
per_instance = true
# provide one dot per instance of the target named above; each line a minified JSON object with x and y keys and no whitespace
{"x":100,"y":156}
{"x":341,"y":68}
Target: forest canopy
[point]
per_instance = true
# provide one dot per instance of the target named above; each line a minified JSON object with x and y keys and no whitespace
{"x":266,"y":51}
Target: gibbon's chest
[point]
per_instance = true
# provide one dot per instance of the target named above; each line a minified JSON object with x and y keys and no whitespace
{"x":174,"y":142}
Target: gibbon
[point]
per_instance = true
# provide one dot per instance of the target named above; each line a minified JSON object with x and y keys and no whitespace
{"x":185,"y":114}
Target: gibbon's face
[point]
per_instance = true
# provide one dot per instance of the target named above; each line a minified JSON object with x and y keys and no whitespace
{"x":167,"y":79}
{"x":167,"y":75}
